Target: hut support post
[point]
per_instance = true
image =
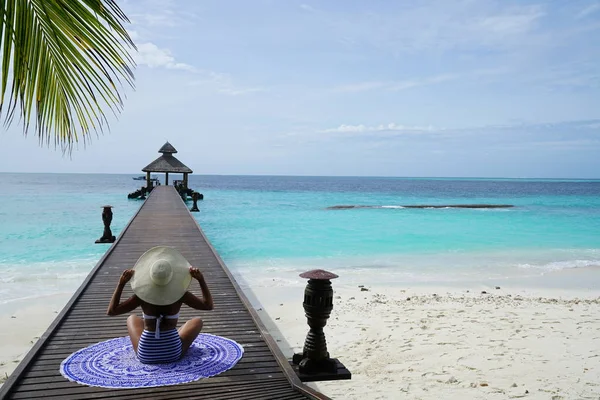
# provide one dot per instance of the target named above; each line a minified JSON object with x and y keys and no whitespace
{"x":185,"y":180}
{"x":166,"y":178}
{"x":148,"y":181}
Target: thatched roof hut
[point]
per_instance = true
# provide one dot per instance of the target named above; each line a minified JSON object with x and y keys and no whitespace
{"x":167,"y":163}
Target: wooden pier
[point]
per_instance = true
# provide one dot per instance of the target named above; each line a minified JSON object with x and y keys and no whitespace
{"x":262,"y":373}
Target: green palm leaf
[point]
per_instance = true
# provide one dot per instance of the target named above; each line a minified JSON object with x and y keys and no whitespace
{"x":63,"y":62}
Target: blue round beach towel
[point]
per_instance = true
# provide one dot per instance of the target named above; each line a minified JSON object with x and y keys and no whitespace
{"x":113,"y":364}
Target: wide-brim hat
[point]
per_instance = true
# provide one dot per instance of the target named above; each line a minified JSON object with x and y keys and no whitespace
{"x":162,"y":276}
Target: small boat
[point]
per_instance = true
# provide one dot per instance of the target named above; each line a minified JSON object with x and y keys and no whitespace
{"x":143,"y":178}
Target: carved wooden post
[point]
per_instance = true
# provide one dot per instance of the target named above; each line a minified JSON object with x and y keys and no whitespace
{"x":314,"y":362}
{"x":195,"y":197}
{"x":107,"y":236}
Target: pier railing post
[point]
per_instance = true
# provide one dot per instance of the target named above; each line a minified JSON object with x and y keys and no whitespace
{"x":195,"y":197}
{"x":107,"y":236}
{"x":314,"y":363}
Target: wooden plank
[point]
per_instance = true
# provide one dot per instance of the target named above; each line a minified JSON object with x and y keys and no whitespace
{"x":247,"y":367}
{"x":64,"y":386}
{"x":49,"y":368}
{"x":163,"y":219}
{"x":48,"y":362}
{"x":223,"y":385}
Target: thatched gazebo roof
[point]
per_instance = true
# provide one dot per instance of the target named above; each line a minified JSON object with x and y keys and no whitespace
{"x":167,"y":162}
{"x":167,"y":148}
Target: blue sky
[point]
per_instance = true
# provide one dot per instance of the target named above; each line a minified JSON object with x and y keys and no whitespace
{"x":387,"y":88}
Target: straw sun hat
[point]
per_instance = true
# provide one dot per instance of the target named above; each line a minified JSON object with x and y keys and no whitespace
{"x":161,"y":276}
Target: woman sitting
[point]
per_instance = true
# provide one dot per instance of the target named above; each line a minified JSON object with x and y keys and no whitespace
{"x":159,"y":280}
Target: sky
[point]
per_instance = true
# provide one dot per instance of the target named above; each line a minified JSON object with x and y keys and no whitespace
{"x":457,"y":88}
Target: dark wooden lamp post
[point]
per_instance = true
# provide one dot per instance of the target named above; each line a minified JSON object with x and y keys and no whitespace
{"x":314,"y":363}
{"x":107,"y":236}
{"x":195,"y":197}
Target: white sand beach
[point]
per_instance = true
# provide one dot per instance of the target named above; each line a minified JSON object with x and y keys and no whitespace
{"x":444,"y":343}
{"x":23,"y":322}
{"x":419,"y":343}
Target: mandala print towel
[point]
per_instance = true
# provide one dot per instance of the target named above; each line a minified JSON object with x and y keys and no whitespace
{"x":113,"y":364}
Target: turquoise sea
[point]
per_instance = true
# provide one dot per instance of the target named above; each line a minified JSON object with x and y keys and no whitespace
{"x":271,"y":226}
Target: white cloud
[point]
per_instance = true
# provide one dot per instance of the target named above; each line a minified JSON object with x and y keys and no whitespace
{"x":593,"y":125}
{"x":164,"y":19}
{"x":134,"y":35}
{"x":589,"y":10}
{"x":391,"y":127}
{"x":223,"y":83}
{"x":403,"y":85}
{"x":513,"y":22}
{"x":157,"y":13}
{"x":166,"y":14}
{"x":570,"y":126}
{"x":360,"y":87}
{"x":306,"y":7}
{"x":440,"y":26}
{"x":152,"y":56}
{"x":232,"y":91}
{"x":423,"y":82}
{"x":396,"y":86}
{"x":568,"y":75}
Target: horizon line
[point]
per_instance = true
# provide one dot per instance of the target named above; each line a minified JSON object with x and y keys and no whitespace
{"x":316,"y":176}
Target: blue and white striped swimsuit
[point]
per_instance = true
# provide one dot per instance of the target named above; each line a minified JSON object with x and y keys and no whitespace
{"x":159,"y":346}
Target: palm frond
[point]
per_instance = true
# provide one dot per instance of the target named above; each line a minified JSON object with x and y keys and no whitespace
{"x":63,"y":63}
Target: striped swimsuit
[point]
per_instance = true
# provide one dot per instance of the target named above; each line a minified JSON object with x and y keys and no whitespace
{"x":159,"y":346}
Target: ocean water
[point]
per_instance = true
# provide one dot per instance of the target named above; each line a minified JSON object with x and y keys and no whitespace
{"x":274,"y":227}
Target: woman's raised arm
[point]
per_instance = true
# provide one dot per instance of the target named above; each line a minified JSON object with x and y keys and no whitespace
{"x":206,"y":302}
{"x":117,"y":308}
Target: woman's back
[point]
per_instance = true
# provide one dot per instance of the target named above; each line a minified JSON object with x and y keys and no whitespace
{"x":169,"y":314}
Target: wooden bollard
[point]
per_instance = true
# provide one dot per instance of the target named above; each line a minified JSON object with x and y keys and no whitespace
{"x":195,"y":197}
{"x":314,"y":363}
{"x":107,"y":236}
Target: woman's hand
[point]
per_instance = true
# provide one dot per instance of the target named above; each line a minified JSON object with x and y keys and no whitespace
{"x":126,"y":276}
{"x":196,"y":274}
